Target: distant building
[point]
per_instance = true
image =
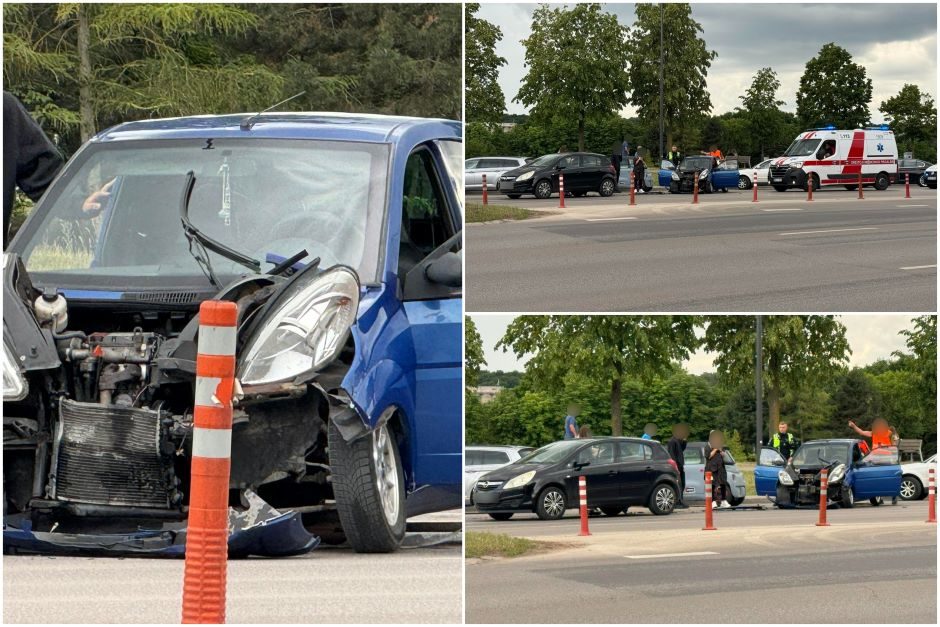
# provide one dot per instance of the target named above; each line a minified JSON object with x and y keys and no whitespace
{"x":486,"y":393}
{"x":506,"y":126}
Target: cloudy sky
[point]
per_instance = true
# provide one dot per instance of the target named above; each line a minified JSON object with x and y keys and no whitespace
{"x":896,"y":43}
{"x":871,"y":337}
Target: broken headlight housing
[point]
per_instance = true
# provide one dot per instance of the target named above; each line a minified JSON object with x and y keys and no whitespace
{"x":838,"y":474}
{"x":304,"y":332}
{"x":15,"y":387}
{"x":784,"y":477}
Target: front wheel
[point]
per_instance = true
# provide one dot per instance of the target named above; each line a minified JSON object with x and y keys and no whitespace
{"x":744,"y":182}
{"x":607,"y":188}
{"x":848,"y":497}
{"x":735,"y":501}
{"x":784,"y":497}
{"x":812,"y":180}
{"x":663,"y":499}
{"x":369,"y":487}
{"x":543,"y":190}
{"x":882,"y":181}
{"x":551,"y":504}
{"x":911,"y":488}
{"x":501,"y":516}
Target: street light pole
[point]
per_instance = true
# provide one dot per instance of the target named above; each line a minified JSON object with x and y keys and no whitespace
{"x":661,"y":126}
{"x":758,"y":386}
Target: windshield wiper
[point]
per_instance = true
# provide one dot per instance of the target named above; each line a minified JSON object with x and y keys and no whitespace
{"x":206,"y":242}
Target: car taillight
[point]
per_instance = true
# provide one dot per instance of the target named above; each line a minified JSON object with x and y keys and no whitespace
{"x":674,"y":465}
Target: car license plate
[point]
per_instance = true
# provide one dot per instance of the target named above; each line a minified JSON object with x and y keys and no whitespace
{"x":778,"y":180}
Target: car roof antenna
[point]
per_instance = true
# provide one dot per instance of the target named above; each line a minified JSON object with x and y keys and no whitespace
{"x":248,"y":122}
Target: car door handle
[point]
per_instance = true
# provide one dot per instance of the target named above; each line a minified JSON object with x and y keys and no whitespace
{"x":613,"y":472}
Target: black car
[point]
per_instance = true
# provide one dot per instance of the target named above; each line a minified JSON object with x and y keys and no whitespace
{"x":914,"y":167}
{"x":620,"y":472}
{"x":584,"y":172}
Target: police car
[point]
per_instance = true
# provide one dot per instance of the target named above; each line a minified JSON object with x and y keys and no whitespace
{"x":827,"y":157}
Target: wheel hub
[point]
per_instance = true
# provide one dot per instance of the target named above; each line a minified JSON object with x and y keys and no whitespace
{"x":386,"y":473}
{"x":553,"y":503}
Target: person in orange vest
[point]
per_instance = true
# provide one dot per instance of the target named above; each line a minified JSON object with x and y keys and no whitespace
{"x":716,"y":153}
{"x":880,"y":433}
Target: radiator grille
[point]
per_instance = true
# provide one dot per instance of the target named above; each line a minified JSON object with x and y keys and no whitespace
{"x":109,"y":455}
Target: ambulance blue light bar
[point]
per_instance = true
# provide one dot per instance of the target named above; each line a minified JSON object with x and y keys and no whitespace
{"x":883,"y":127}
{"x":831,"y":127}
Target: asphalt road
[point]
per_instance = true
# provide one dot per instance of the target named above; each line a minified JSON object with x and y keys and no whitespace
{"x":872,"y":565}
{"x":328,"y":585}
{"x":837,"y":253}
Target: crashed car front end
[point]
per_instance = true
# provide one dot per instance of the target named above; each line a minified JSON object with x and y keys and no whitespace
{"x":802,"y":486}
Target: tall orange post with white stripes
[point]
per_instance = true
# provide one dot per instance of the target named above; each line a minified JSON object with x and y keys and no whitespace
{"x":823,"y":497}
{"x":207,"y":529}
{"x":582,"y":497}
{"x":485,"y":198}
{"x":709,"y":524}
{"x":561,"y":190}
{"x":931,"y":495}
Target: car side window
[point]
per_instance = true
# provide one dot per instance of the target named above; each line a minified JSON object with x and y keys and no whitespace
{"x":495,"y":457}
{"x":632,"y":451}
{"x":472,"y":164}
{"x":473,"y":458}
{"x":569,"y":162}
{"x":769,"y":456}
{"x":597,"y":454}
{"x":425,"y":221}
{"x":693,"y":456}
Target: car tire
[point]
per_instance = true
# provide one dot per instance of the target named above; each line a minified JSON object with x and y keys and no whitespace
{"x":607,"y":188}
{"x":744,"y":182}
{"x":784,"y":497}
{"x":663,"y":499}
{"x":848,"y":497}
{"x":673,"y":188}
{"x":369,"y":488}
{"x":780,"y":188}
{"x":911,"y":488}
{"x":551,"y":503}
{"x":514,"y":196}
{"x":813,"y":179}
{"x":611,"y":510}
{"x":876,"y":501}
{"x":882,"y":182}
{"x":543,"y":189}
{"x":735,"y":501}
{"x":501,"y":516}
{"x":705,"y":188}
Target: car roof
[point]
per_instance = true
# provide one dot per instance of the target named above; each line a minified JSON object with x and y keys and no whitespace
{"x":496,"y":446}
{"x":832,"y":441}
{"x":280,"y":125}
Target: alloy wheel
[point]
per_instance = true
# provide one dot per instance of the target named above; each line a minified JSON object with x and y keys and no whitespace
{"x":386,"y":472}
{"x":554,"y":503}
{"x":665,"y":499}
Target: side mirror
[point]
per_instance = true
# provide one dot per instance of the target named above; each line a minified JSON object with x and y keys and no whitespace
{"x":779,"y":461}
{"x":579,"y":465}
{"x":446,"y":270}
{"x":666,"y":165}
{"x":558,"y":166}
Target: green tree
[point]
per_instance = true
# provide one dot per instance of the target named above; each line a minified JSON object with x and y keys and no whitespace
{"x":856,"y":398}
{"x":912,"y":115}
{"x":605,"y":348}
{"x":762,"y":109}
{"x":798,"y":351}
{"x":485,"y":101}
{"x":833,"y":90}
{"x":686,"y":60}
{"x":474,"y":359}
{"x":922,"y":342}
{"x":576,"y":66}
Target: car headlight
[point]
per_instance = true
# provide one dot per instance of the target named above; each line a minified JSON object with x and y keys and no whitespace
{"x":675,"y":176}
{"x":15,"y":386}
{"x":784,"y":477}
{"x":525,"y":176}
{"x":797,"y":165}
{"x":305,"y":332}
{"x":519,"y":480}
{"x":838,"y":474}
{"x":703,"y":174}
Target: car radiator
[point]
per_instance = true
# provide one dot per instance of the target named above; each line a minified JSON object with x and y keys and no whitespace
{"x":109,"y":455}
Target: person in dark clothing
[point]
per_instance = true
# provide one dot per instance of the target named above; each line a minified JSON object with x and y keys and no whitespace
{"x":30,"y":160}
{"x":639,"y":173}
{"x":676,"y":448}
{"x":616,"y":160}
{"x":784,"y":442}
{"x":674,"y":156}
{"x":715,"y":463}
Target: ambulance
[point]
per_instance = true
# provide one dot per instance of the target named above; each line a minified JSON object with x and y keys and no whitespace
{"x":826,"y":157}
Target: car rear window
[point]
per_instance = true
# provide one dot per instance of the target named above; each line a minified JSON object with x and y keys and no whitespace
{"x":495,"y":457}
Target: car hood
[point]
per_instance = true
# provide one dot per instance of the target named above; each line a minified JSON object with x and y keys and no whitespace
{"x":520,"y":170}
{"x":508,"y":472}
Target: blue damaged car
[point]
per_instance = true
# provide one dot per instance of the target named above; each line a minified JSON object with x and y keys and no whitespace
{"x":712,"y":175}
{"x":339,"y":238}
{"x":854,"y":473}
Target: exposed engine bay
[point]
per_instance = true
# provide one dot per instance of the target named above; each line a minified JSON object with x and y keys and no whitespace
{"x":98,"y":434}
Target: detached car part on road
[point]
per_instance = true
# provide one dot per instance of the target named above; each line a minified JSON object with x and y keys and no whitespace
{"x":584,"y":172}
{"x":339,"y":238}
{"x":853,"y":473}
{"x":620,"y":473}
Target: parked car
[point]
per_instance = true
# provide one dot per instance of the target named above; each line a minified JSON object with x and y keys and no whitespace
{"x":712,"y":174}
{"x":619,"y":472}
{"x":584,"y":172}
{"x":338,"y":236}
{"x":913,"y":167}
{"x":695,"y":475}
{"x":624,"y":181}
{"x":914,"y":478}
{"x":492,"y":167}
{"x":479,"y":460}
{"x":759,"y":174}
{"x":929,"y":177}
{"x":853,"y":473}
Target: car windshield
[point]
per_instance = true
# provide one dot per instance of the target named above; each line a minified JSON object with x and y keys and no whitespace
{"x":114,"y":213}
{"x":551,"y":453}
{"x":544,"y":160}
{"x":817,"y":454}
{"x":696,"y":163}
{"x":802,"y":148}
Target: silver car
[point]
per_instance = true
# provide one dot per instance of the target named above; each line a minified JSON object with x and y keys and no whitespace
{"x":624,"y":181}
{"x":479,"y":460}
{"x":695,"y":475}
{"x":492,"y":167}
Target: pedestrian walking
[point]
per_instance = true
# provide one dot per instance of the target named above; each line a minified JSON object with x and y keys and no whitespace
{"x":571,"y":423}
{"x":715,"y":464}
{"x":676,"y":449}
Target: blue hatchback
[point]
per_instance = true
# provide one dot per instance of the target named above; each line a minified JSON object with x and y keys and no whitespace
{"x":853,"y":473}
{"x":340,"y":239}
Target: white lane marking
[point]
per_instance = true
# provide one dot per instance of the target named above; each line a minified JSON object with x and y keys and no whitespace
{"x":913,"y":205}
{"x":608,"y":219}
{"x":863,"y":228}
{"x":646,"y":557}
{"x":933,"y":265}
{"x":774,"y":210}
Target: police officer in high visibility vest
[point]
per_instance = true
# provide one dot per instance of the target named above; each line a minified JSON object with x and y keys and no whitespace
{"x":784,"y":443}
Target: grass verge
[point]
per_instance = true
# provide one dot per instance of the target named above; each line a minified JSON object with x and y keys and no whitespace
{"x":484,"y":544}
{"x":477,"y":212}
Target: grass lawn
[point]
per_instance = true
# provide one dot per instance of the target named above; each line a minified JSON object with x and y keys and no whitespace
{"x":747,"y":469}
{"x":483,"y":544}
{"x":477,"y":212}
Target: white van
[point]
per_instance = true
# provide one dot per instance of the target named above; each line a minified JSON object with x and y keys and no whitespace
{"x":831,"y":157}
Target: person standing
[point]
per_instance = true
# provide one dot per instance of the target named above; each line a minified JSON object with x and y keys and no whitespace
{"x":616,"y":160}
{"x":649,"y":431}
{"x":674,"y":156}
{"x":784,"y":442}
{"x":880,"y":433}
{"x":715,"y":464}
{"x":639,"y":173}
{"x":571,"y":423}
{"x":30,"y":160}
{"x":676,"y":449}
